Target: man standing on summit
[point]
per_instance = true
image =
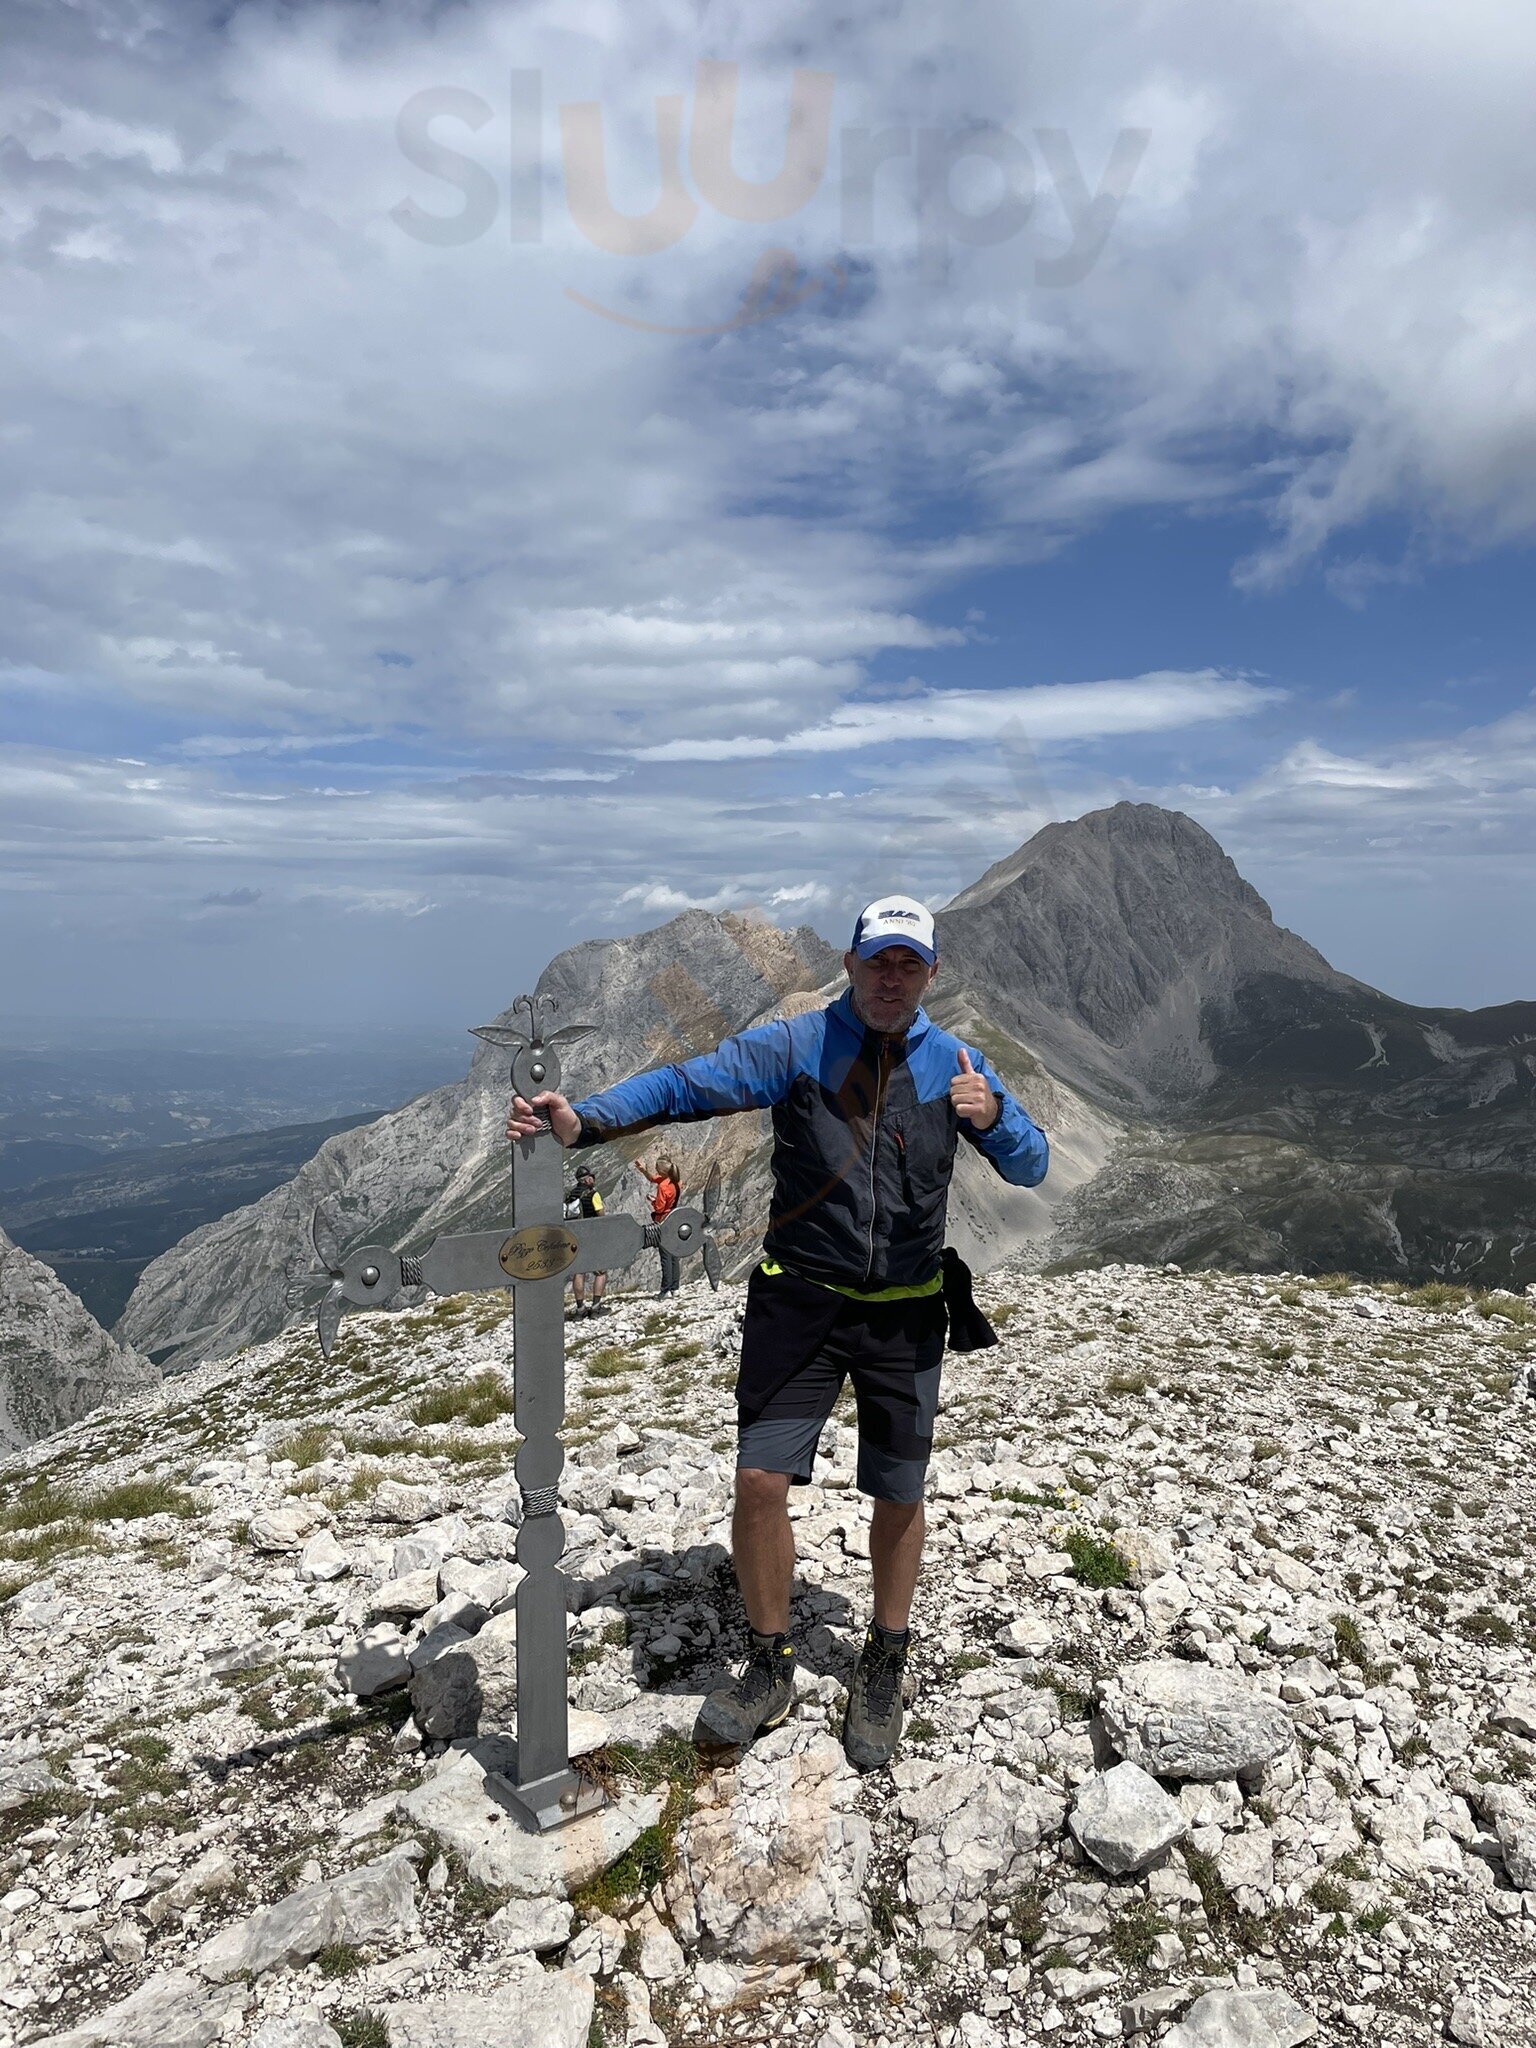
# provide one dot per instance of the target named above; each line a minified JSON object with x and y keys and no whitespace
{"x":869,"y":1098}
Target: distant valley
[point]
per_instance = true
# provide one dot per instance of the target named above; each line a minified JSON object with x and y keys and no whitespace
{"x":75,"y":1091}
{"x":100,"y":1226}
{"x":119,"y":1138}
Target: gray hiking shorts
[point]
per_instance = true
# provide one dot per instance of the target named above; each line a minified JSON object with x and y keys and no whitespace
{"x":800,"y":1342}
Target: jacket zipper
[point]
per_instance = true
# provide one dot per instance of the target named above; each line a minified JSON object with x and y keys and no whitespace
{"x":874,"y":1152}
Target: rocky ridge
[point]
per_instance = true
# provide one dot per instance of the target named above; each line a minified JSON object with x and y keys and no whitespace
{"x":440,"y":1162}
{"x":56,"y":1361}
{"x":1214,"y":1091}
{"x":1224,"y":1731}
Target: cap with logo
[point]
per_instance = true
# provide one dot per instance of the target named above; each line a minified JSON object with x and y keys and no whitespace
{"x":895,"y":921}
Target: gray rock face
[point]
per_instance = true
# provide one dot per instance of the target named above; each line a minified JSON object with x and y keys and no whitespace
{"x":1182,"y":1720}
{"x":771,"y":1862}
{"x":1243,"y":2019}
{"x":1102,"y":941}
{"x":439,"y":1163}
{"x":170,"y":2011}
{"x":532,"y":2008}
{"x":1125,"y":1820}
{"x":57,"y":1363}
{"x":471,"y":1689}
{"x":361,"y":1905}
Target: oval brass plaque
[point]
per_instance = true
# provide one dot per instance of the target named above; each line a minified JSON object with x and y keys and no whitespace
{"x":537,"y":1252}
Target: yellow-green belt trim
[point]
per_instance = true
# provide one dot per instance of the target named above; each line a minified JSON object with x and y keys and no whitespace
{"x":918,"y":1293}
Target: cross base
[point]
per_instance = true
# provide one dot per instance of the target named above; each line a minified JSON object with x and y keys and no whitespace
{"x":551,"y":1802}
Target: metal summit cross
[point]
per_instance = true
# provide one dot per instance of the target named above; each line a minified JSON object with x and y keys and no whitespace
{"x":534,"y":1258}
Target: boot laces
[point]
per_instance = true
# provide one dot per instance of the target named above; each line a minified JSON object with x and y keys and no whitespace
{"x":759,"y":1675}
{"x":882,"y":1674}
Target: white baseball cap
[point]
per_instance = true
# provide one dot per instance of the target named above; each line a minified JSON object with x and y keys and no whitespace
{"x":894,"y":921}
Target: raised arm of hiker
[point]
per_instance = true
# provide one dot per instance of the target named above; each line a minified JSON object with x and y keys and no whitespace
{"x":750,"y":1071}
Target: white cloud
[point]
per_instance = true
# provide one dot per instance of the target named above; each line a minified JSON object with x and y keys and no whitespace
{"x":287,"y":460}
{"x":1056,"y":712}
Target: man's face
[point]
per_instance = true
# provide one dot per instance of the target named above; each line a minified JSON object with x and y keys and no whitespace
{"x":888,"y":987}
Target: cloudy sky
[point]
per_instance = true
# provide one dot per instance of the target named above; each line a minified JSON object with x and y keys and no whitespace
{"x":478,"y":476}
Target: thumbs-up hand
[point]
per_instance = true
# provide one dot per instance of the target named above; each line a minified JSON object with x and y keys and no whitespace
{"x":971,"y":1093}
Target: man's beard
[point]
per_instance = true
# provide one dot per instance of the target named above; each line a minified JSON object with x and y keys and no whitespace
{"x":898,"y":1029}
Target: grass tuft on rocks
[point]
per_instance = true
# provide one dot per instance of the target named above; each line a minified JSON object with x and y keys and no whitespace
{"x":339,"y":1959}
{"x":1134,"y":1932}
{"x":365,"y":2029}
{"x":307,"y":1446}
{"x":675,"y":1763}
{"x":609,"y":1363}
{"x":475,"y":1402}
{"x":137,"y":1499}
{"x":1096,"y":1560}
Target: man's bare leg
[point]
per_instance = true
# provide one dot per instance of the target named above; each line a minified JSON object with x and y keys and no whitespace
{"x":763,"y":1543}
{"x":895,"y":1555}
{"x":763,"y":1548}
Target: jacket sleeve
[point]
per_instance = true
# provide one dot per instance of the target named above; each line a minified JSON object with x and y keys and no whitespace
{"x":1015,"y":1144}
{"x":753,"y":1070}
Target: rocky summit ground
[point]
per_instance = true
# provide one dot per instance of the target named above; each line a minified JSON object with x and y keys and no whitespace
{"x":1224,"y":1726}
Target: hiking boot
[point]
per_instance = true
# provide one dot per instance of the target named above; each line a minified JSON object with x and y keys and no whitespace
{"x":761,"y":1697}
{"x":872,"y":1724}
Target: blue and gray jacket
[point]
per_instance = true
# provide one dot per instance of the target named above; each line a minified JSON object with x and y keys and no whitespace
{"x":864,"y":1136}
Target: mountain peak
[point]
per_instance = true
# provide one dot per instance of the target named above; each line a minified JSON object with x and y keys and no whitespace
{"x":1108,"y":938}
{"x":1173,"y":843}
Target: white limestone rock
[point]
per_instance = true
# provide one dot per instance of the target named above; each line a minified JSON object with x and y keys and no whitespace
{"x":286,"y":1528}
{"x":1125,"y":1820}
{"x":1516,"y":1713}
{"x":1180,"y":1720}
{"x":1223,"y":2019}
{"x":407,"y":1595}
{"x":295,"y":2032}
{"x":394,"y":1501}
{"x":363,"y":1905}
{"x":1027,"y":1635}
{"x":1163,"y":1600}
{"x":457,"y":1804}
{"x":530,"y":2008}
{"x":323,"y":1559}
{"x":172,"y":2010}
{"x":531,"y":1926}
{"x":22,"y":1781}
{"x":976,"y":1829}
{"x":377,"y":1664}
{"x":771,"y":1861}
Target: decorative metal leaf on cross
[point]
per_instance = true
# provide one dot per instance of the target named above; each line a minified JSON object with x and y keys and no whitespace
{"x":534,"y":1258}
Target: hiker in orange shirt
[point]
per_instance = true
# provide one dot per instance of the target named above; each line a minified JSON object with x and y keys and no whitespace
{"x":668,"y":1187}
